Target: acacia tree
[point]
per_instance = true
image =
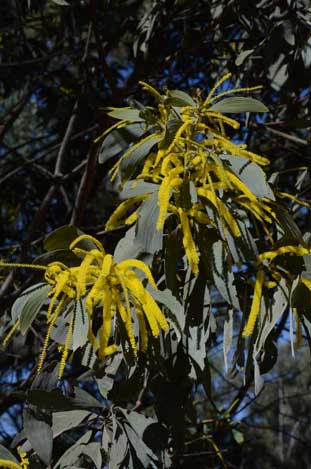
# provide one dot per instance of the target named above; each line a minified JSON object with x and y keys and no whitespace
{"x":202,"y":248}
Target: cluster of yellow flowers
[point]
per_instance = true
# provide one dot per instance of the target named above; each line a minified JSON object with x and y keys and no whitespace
{"x":193,"y":157}
{"x":265,"y":264}
{"x":113,"y":287}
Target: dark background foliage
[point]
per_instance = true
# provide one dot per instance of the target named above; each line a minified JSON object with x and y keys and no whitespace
{"x":61,"y":63}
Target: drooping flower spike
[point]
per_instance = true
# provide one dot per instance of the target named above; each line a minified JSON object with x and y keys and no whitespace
{"x":108,"y":289}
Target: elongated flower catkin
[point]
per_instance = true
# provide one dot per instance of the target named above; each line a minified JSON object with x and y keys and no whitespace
{"x":255,"y":308}
{"x":188,"y":242}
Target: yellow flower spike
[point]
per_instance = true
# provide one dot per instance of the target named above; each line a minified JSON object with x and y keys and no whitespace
{"x":164,"y":194}
{"x":53,"y":319}
{"x":139,"y":293}
{"x":150,"y":307}
{"x":217,"y":85}
{"x":118,"y":125}
{"x":12,"y":265}
{"x":114,"y":170}
{"x":95,"y":294}
{"x":303,"y":203}
{"x":65,"y":349}
{"x":6,"y":463}
{"x":132,"y":218}
{"x":179,"y":133}
{"x":86,"y":237}
{"x":105,"y":330}
{"x":236,"y":90}
{"x":107,"y":265}
{"x":10,"y":334}
{"x":159,"y":156}
{"x":188,"y":242}
{"x":146,"y":87}
{"x":149,"y":161}
{"x":115,"y":219}
{"x":255,"y":308}
{"x":306,"y":282}
{"x":127,"y":321}
{"x":124,"y":265}
{"x":111,"y":349}
{"x":271,"y":255}
{"x":232,"y":122}
{"x":82,"y":275}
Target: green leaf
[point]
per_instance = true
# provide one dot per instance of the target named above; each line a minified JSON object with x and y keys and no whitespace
{"x":180,"y":98}
{"x":61,"y":3}
{"x":119,"y":447}
{"x":238,"y":436}
{"x":140,"y":187}
{"x":238,"y":104}
{"x":176,"y":313}
{"x":251,"y":174}
{"x":33,"y":306}
{"x":6,"y":454}
{"x":20,"y":302}
{"x":243,"y":56}
{"x":65,"y":256}
{"x":128,"y":247}
{"x":93,"y":451}
{"x":146,"y":233}
{"x":55,"y":401}
{"x":227,"y":338}
{"x":119,"y":139}
{"x":71,"y":455}
{"x":223,"y":277}
{"x":63,"y":421}
{"x":62,"y":237}
{"x":106,"y":382}
{"x":80,"y":325}
{"x":39,"y":433}
{"x":126,"y":113}
{"x":132,"y":158}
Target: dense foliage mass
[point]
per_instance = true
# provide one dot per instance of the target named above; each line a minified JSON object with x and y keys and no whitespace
{"x":178,"y":224}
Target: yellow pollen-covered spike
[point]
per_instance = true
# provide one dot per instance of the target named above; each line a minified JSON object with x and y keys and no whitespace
{"x":23,"y":266}
{"x":86,"y":237}
{"x":107,"y":265}
{"x":164,"y":195}
{"x":255,"y":308}
{"x":6,"y":463}
{"x":48,"y":334}
{"x":217,"y":85}
{"x":270,"y":255}
{"x":115,"y":219}
{"x":233,"y":123}
{"x":145,"y":86}
{"x":236,"y":90}
{"x":105,"y":330}
{"x":81,"y":278}
{"x":10,"y":334}
{"x":118,"y":125}
{"x":188,"y":242}
{"x":128,"y":324}
{"x":179,"y":133}
{"x":125,"y":265}
{"x":65,"y":350}
{"x":152,"y":308}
